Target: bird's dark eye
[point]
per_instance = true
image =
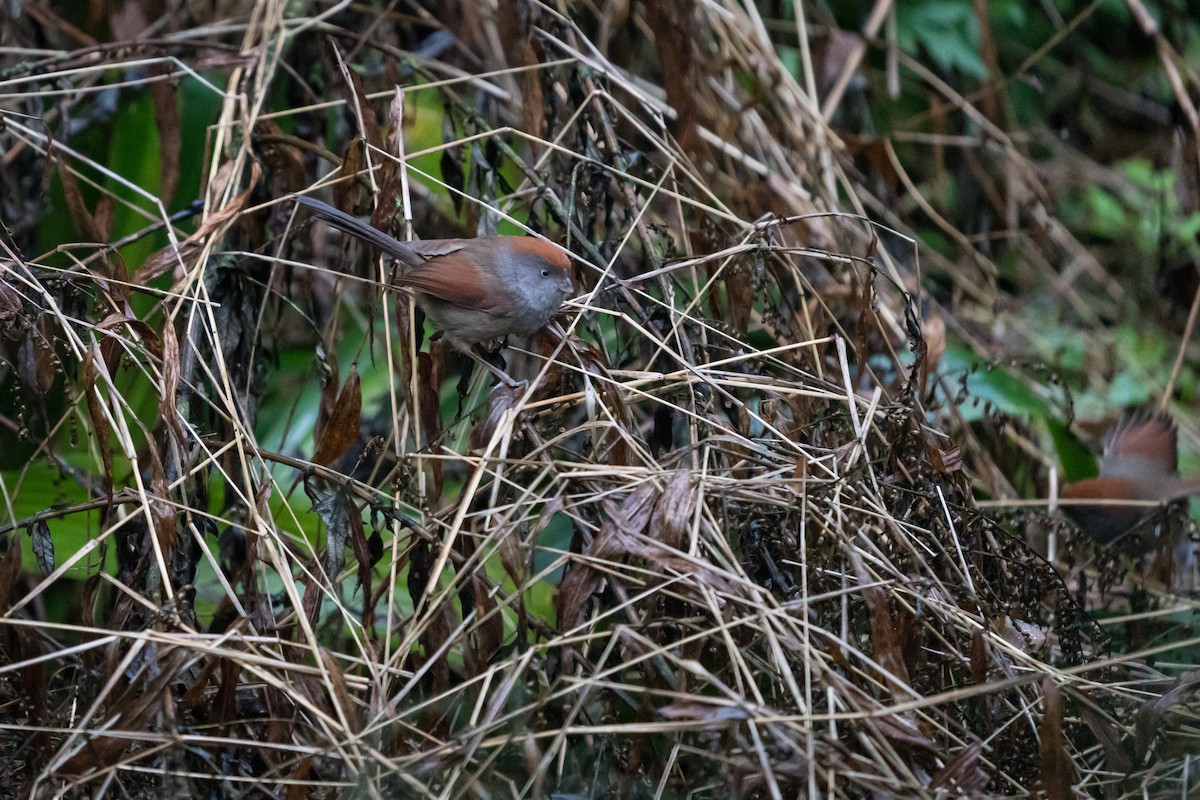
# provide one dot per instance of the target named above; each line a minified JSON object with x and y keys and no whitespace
{"x":545,"y":273}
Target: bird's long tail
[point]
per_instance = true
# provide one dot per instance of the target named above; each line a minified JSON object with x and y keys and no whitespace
{"x":356,"y":227}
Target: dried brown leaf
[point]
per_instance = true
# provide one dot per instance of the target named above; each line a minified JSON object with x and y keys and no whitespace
{"x":185,"y":255}
{"x":166,"y":514}
{"x":340,"y":689}
{"x":613,"y":540}
{"x":390,"y":188}
{"x":92,"y":363}
{"x":365,"y":560}
{"x":91,"y":589}
{"x":832,"y":54}
{"x":164,"y":94}
{"x":168,"y":405}
{"x":962,"y":774}
{"x":310,"y":604}
{"x":341,"y":430}
{"x":933,"y":333}
{"x":10,"y":569}
{"x":979,"y":658}
{"x":285,"y":166}
{"x":740,"y":290}
{"x":885,"y":638}
{"x":673,"y":513}
{"x":105,"y":214}
{"x":110,"y":346}
{"x":345,"y":190}
{"x":487,"y":635}
{"x":298,"y":787}
{"x":517,"y":43}
{"x":37,"y":363}
{"x":11,"y":303}
{"x":1115,"y":757}
{"x":81,"y":217}
{"x":681,"y":69}
{"x":1057,"y":772}
{"x":1151,"y":714}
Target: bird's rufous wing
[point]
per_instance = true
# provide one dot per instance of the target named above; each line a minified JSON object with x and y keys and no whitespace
{"x":451,"y":274}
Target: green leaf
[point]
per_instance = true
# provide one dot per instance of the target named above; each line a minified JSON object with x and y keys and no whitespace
{"x":1106,"y":214}
{"x":1076,"y":459}
{"x":990,"y":384}
{"x":1127,"y":390}
{"x":948,"y":31}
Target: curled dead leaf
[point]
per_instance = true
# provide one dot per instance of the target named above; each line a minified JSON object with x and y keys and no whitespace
{"x":341,"y":430}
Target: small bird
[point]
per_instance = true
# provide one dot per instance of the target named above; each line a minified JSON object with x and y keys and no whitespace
{"x":1140,"y":463}
{"x":473,"y":290}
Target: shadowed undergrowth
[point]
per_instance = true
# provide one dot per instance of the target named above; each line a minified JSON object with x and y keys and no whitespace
{"x":264,"y":539}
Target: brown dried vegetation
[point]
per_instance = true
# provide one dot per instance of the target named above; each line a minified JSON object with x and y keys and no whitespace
{"x":714,"y":547}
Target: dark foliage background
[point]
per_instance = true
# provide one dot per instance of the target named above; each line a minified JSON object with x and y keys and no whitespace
{"x":853,"y":287}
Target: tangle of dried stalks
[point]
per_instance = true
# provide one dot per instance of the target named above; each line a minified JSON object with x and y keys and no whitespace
{"x":713,"y":547}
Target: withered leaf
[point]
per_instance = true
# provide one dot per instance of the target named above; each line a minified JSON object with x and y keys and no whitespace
{"x":92,"y":363}
{"x":337,"y":680}
{"x":673,"y":513}
{"x":91,"y":588}
{"x":285,"y":167}
{"x":622,"y":537}
{"x":594,"y":362}
{"x":979,"y":662}
{"x":683,"y":73}
{"x":356,"y":98}
{"x":487,"y":634}
{"x":164,"y":96}
{"x":420,"y":560}
{"x":962,"y":773}
{"x":1057,"y":772}
{"x":365,"y":559}
{"x":581,"y":580}
{"x":1151,"y":713}
{"x":885,"y":636}
{"x":515,"y":29}
{"x":867,"y":322}
{"x":105,"y":214}
{"x":37,"y":363}
{"x":165,"y":513}
{"x":84,"y":222}
{"x":390,"y":188}
{"x":298,"y":780}
{"x":1115,"y":757}
{"x":110,"y":346}
{"x":344,"y":190}
{"x":342,"y":519}
{"x":190,"y":248}
{"x":168,"y":406}
{"x":429,"y":379}
{"x":832,"y":54}
{"x":933,"y":332}
{"x":10,"y":568}
{"x":310,"y":603}
{"x":11,"y":304}
{"x":341,"y":431}
{"x":552,"y":507}
{"x":42,"y":545}
{"x":741,"y":295}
